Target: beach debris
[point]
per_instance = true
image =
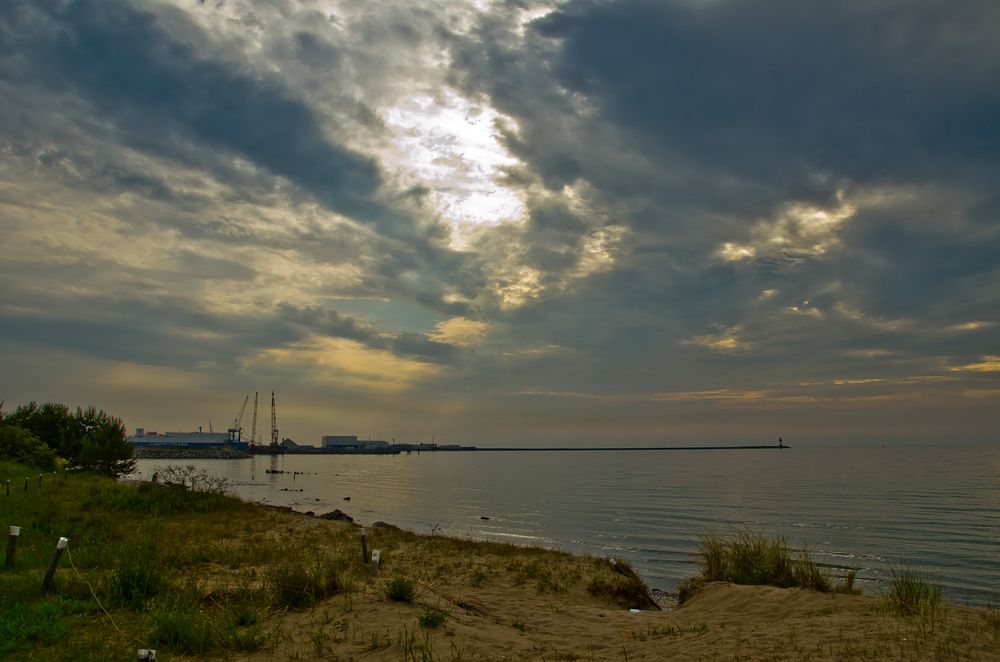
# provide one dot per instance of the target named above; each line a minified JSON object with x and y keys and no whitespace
{"x":483,"y":517}
{"x":337,"y":515}
{"x":347,"y":498}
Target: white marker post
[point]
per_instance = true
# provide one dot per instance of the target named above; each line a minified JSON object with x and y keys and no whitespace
{"x":15,"y":531}
{"x":50,"y":573}
{"x":376,"y":557}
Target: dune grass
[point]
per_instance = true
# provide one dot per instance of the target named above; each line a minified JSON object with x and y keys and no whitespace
{"x":909,"y":592}
{"x":745,"y":556}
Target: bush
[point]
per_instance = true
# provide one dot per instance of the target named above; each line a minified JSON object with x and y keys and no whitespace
{"x":432,"y":618}
{"x":400,"y":589}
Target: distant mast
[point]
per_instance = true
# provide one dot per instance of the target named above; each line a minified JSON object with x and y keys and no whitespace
{"x":274,"y":423}
{"x":253,"y":430}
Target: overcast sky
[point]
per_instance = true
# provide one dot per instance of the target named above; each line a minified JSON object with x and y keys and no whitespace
{"x":627,"y":222}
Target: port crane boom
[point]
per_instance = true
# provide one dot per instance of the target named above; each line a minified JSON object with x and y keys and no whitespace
{"x":235,"y":432}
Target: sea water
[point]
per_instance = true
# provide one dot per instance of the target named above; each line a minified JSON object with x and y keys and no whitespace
{"x":867,"y":507}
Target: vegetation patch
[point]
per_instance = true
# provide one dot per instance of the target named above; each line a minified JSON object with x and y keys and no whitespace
{"x":909,"y":592}
{"x":400,"y":589}
{"x":620,"y":584}
{"x":301,"y":584}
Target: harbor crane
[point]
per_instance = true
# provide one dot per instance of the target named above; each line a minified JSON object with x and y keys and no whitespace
{"x":235,"y":431}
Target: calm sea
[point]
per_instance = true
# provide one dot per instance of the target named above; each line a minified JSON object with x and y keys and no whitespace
{"x":935,"y":508}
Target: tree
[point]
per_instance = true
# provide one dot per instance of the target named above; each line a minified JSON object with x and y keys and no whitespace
{"x":20,"y":445}
{"x":89,"y":438}
{"x":106,"y":450}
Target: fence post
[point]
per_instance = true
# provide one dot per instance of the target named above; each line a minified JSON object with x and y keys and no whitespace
{"x":364,"y":546}
{"x":50,"y":573}
{"x":25,"y":483}
{"x":15,"y":531}
{"x":376,"y":557}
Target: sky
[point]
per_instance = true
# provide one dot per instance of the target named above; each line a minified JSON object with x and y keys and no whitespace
{"x":498,"y":223}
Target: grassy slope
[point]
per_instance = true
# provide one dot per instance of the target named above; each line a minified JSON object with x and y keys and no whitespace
{"x":202,"y":575}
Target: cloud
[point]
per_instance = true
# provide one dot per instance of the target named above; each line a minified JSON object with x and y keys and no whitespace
{"x":611,"y":210}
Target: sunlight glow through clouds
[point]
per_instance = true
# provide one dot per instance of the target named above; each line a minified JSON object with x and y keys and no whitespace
{"x":450,"y":145}
{"x":348,"y":364}
{"x":799,"y":230}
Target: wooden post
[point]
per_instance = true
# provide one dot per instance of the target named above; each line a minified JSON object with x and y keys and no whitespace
{"x":376,"y":557}
{"x":25,"y":483}
{"x":364,"y":546}
{"x":39,"y":480}
{"x":8,"y":487}
{"x":51,"y":572}
{"x":15,"y":531}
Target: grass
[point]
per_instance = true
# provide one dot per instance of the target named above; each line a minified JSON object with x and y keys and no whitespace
{"x":910,"y":593}
{"x":751,"y":557}
{"x":432,"y":617}
{"x":621,"y":584}
{"x":197,"y":574}
{"x":399,"y":589}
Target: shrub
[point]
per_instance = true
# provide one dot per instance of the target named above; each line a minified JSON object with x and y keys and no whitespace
{"x":400,"y":589}
{"x":432,"y":618}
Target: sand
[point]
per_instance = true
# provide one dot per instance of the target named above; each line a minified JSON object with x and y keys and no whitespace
{"x":508,"y":603}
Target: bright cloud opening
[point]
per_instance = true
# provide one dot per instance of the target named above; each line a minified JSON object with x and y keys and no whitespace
{"x":452,"y":146}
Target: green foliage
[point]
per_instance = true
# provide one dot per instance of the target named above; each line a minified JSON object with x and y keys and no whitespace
{"x":89,"y":438}
{"x":432,"y":617}
{"x":138,"y":578}
{"x":910,"y":593}
{"x":296,"y":584}
{"x":20,"y":445}
{"x":400,"y":589}
{"x":183,"y":628}
{"x":36,"y":623}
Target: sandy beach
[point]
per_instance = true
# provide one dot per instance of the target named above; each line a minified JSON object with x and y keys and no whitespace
{"x":502,"y":602}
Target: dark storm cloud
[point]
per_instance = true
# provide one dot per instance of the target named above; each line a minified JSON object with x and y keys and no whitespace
{"x":695,"y":123}
{"x":125,"y":63}
{"x":863,"y":90}
{"x":332,"y":324}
